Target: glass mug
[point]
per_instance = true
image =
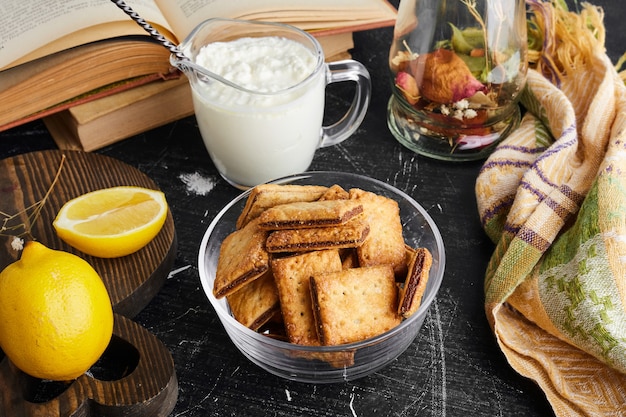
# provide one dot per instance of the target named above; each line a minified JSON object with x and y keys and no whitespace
{"x":256,"y":135}
{"x":457,"y":70}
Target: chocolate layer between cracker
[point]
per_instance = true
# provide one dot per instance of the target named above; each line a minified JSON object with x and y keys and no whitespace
{"x":415,"y":283}
{"x":350,"y":235}
{"x":256,"y":302}
{"x":265,"y":196}
{"x":242,"y":258}
{"x":304,"y":215}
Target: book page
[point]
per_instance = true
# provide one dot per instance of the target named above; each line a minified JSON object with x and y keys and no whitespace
{"x":184,"y":15}
{"x":27,"y":26}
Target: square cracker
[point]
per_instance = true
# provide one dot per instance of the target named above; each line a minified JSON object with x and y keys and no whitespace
{"x":415,"y":284}
{"x":335,"y":192}
{"x":292,"y":280}
{"x":264,"y":196}
{"x":350,"y":235}
{"x":385,"y":244}
{"x":354,"y":304}
{"x":242,"y":258}
{"x":307,"y":214}
{"x":256,"y":303}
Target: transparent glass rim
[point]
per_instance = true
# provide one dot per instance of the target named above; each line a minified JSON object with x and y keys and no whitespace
{"x":187,"y":43}
{"x":284,"y":345}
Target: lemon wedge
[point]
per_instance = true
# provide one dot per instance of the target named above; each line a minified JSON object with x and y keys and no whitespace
{"x":112,"y":222}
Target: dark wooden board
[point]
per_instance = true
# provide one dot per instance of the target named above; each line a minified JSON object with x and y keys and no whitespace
{"x":136,"y":375}
{"x":133,"y":280}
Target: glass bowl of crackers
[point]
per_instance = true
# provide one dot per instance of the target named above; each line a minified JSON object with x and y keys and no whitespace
{"x":322,"y":277}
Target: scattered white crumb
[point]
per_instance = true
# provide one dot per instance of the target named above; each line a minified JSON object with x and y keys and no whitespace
{"x":352,"y":405}
{"x":196,"y":183}
{"x":461,"y":104}
{"x":460,"y":110}
{"x":17,"y":243}
{"x":288,"y":395}
{"x":470,"y":113}
{"x":176,"y":271}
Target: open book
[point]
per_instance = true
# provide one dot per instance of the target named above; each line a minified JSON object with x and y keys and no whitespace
{"x":55,"y":54}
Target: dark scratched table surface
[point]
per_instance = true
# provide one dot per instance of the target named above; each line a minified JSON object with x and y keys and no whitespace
{"x":453,"y":368}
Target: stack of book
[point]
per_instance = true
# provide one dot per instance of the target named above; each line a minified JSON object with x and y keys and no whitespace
{"x":95,"y":76}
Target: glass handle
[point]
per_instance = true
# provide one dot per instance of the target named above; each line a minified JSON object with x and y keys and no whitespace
{"x":348,"y":70}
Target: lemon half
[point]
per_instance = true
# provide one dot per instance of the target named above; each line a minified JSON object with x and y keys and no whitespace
{"x":112,"y":222}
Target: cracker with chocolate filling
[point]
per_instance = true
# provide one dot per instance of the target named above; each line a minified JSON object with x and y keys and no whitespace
{"x":415,"y":284}
{"x":292,"y":280}
{"x":304,"y":215}
{"x":385,"y":244}
{"x":354,"y":304}
{"x":256,"y":303}
{"x":264,"y":196}
{"x":350,"y":235}
{"x":335,"y":192}
{"x":242,"y":258}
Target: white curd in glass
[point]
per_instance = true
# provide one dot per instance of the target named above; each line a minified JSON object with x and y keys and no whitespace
{"x":253,"y":138}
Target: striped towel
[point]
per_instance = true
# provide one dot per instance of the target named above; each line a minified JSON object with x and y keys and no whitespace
{"x":552,"y":197}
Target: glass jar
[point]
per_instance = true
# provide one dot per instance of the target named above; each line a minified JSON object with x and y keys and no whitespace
{"x":457,"y":70}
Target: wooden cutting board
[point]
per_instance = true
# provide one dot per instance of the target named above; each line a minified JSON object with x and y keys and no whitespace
{"x":132,"y":280}
{"x":147,"y":385}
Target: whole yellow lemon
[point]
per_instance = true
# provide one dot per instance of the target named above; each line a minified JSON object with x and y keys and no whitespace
{"x":56,"y":317}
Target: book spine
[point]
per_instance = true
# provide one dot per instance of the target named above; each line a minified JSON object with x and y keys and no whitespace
{"x":100,"y":93}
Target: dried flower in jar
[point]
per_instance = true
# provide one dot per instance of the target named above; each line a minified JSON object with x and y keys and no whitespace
{"x":443,"y":77}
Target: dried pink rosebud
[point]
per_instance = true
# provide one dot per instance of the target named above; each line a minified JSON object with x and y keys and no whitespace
{"x":408,"y":86}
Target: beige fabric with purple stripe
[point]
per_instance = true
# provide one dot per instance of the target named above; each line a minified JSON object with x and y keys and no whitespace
{"x":553,"y":198}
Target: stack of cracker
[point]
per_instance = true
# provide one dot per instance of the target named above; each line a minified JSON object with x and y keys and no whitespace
{"x":331,"y":265}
